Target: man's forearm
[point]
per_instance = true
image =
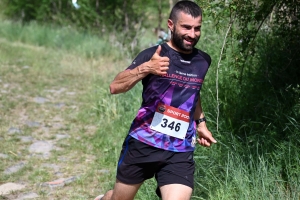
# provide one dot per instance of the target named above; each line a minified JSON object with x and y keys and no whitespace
{"x":127,"y":79}
{"x":198,"y":112}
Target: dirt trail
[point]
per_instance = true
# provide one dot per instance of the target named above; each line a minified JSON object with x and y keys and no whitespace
{"x":40,"y":130}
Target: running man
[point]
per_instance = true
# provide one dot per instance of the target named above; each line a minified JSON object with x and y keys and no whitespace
{"x":162,"y":137}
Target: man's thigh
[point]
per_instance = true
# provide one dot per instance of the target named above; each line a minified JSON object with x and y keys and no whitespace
{"x":176,"y":192}
{"x":138,"y":161}
{"x":177,"y":175}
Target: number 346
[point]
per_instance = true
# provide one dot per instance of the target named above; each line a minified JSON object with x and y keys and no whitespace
{"x":171,"y":125}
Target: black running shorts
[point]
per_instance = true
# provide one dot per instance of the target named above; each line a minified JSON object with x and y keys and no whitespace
{"x":139,"y":162}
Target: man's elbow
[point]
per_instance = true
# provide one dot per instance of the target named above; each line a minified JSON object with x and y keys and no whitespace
{"x":116,"y":89}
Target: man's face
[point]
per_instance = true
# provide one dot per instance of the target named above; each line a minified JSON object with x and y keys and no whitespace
{"x":186,"y":32}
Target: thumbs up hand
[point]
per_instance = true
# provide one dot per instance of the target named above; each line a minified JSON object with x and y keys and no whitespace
{"x":158,"y":65}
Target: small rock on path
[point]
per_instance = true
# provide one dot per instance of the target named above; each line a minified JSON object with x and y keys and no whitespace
{"x":7,"y":188}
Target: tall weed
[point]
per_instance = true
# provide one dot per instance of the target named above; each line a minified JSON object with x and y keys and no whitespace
{"x":65,"y":38}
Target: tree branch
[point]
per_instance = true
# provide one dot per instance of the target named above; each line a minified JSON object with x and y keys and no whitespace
{"x":217,"y":73}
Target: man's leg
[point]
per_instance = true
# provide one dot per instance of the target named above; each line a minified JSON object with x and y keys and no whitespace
{"x":122,"y":191}
{"x":176,"y":192}
{"x":176,"y":178}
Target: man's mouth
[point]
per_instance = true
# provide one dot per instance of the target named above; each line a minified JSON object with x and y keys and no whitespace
{"x":189,"y":41}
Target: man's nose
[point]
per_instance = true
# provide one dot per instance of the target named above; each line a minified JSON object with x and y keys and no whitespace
{"x":192,"y":33}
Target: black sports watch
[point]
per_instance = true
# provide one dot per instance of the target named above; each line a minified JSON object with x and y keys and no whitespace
{"x":198,"y":121}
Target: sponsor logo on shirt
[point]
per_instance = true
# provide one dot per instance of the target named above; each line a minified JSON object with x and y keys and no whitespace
{"x":185,"y":61}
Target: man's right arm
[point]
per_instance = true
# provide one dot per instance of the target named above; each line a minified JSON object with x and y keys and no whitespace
{"x":127,"y":79}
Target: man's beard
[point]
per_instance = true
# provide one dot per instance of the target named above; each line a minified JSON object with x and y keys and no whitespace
{"x":179,"y":43}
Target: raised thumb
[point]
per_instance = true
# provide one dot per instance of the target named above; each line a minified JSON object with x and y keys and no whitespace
{"x":158,"y":50}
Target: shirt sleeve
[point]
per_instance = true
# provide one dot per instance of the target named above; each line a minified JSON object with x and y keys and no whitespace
{"x":142,"y":57}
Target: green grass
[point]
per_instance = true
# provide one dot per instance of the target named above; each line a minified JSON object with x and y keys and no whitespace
{"x":65,"y":38}
{"x":73,"y":68}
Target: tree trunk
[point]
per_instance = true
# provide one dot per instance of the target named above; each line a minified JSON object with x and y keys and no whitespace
{"x":126,"y":21}
{"x":159,"y":15}
{"x":171,"y":4}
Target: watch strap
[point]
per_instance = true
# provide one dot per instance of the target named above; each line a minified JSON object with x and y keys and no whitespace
{"x":198,"y":121}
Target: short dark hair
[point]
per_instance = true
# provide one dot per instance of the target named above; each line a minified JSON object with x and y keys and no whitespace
{"x":188,"y":7}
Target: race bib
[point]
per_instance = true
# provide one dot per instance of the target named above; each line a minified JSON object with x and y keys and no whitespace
{"x":170,"y":121}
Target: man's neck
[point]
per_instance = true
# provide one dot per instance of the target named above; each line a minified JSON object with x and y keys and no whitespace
{"x":173,"y":46}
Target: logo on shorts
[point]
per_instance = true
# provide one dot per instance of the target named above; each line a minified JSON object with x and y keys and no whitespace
{"x":161,"y":109}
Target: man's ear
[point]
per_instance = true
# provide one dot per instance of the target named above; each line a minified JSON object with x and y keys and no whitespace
{"x":170,"y":25}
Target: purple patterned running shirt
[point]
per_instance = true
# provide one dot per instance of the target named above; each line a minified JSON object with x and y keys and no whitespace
{"x":179,"y":88}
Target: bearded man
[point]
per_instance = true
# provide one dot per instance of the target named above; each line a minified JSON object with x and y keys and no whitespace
{"x":162,"y":137}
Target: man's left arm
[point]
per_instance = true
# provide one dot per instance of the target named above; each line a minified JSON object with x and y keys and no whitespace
{"x":205,"y":137}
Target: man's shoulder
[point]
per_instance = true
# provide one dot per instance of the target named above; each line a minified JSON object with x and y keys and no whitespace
{"x":149,"y":51}
{"x":205,"y":55}
{"x":145,"y":55}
